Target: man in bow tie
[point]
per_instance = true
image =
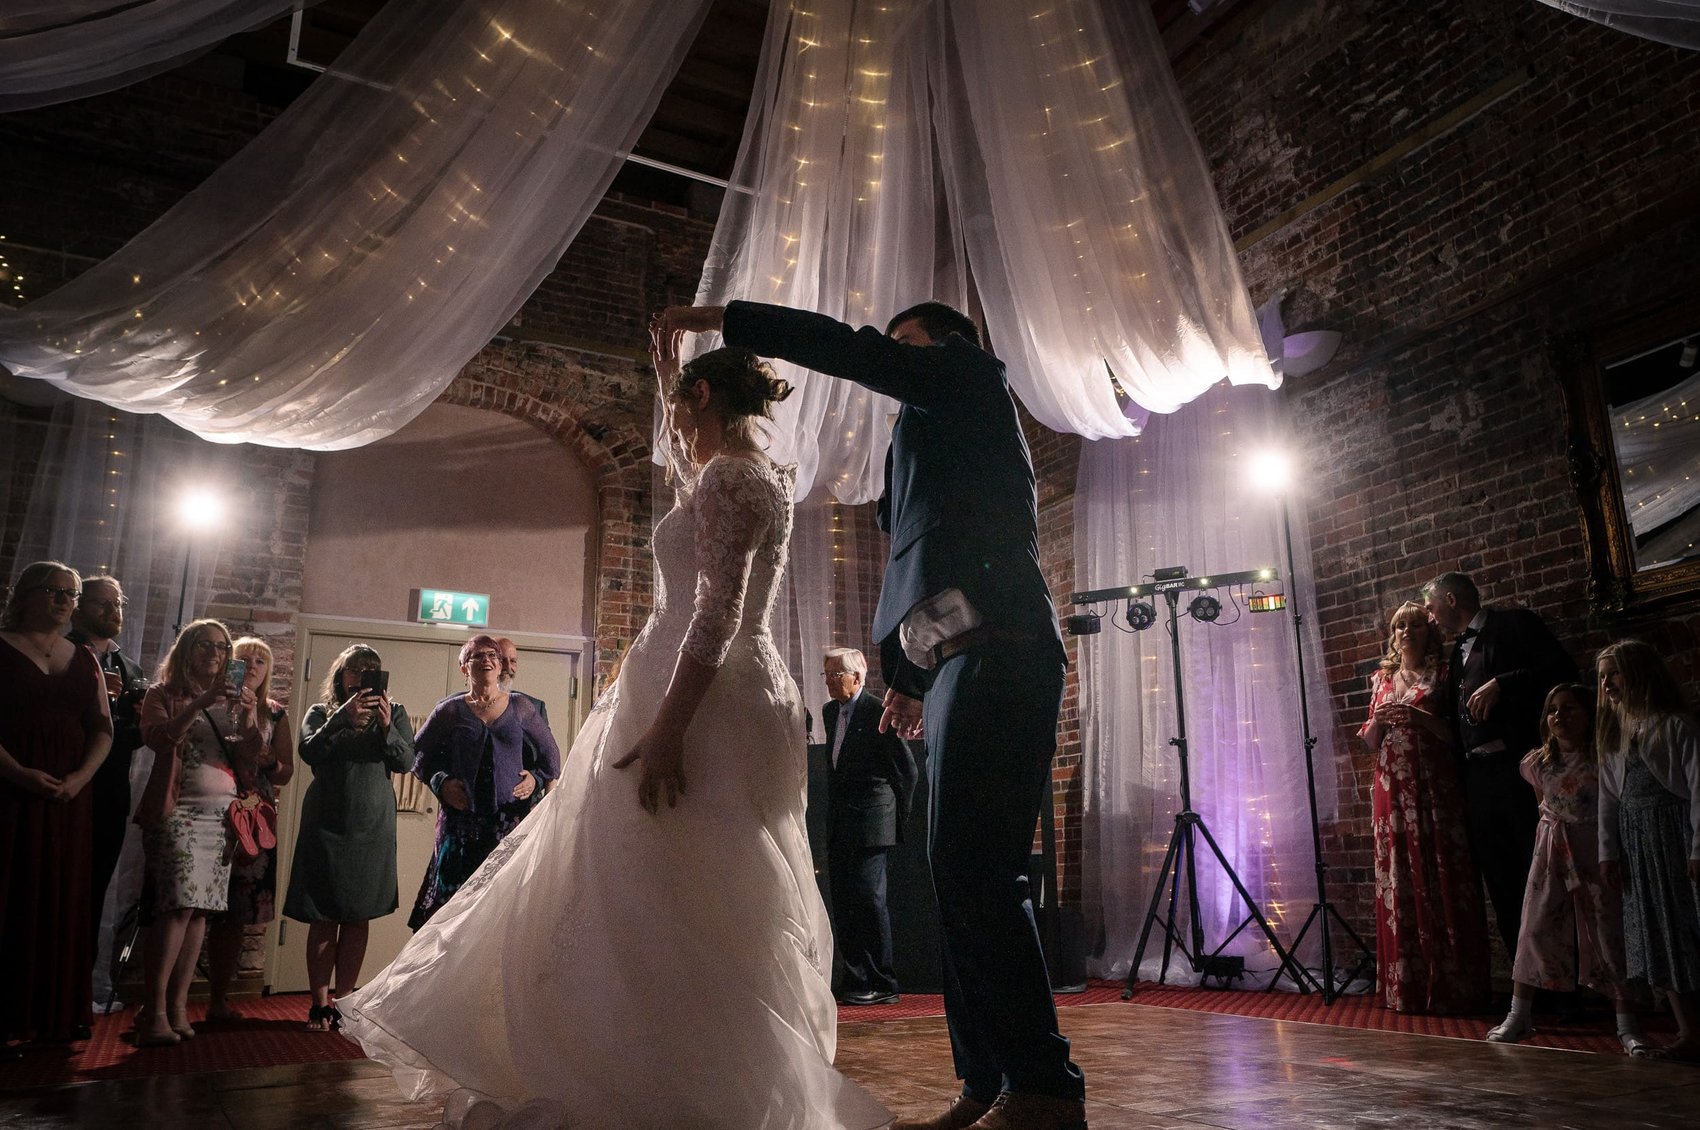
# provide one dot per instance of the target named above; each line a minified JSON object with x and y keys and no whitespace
{"x":1503,"y":663}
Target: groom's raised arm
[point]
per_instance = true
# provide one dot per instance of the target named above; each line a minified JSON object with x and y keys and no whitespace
{"x":917,"y":375}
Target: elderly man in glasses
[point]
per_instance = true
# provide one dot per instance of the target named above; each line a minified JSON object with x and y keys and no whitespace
{"x":872,"y":784}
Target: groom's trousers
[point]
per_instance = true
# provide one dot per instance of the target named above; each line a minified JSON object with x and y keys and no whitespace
{"x":991,"y":721}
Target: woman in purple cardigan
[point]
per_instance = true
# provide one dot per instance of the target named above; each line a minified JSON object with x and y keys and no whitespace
{"x":471,"y":752}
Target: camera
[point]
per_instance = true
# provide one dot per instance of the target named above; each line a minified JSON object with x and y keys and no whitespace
{"x":378,"y":682}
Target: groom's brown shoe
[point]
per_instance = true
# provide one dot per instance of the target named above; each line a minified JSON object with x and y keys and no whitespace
{"x":963,"y":1113}
{"x":1016,"y":1111}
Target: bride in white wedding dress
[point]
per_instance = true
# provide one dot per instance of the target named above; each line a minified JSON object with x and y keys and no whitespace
{"x":648,"y":949}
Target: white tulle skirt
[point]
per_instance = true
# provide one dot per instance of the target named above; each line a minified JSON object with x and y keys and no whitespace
{"x":609,"y":969}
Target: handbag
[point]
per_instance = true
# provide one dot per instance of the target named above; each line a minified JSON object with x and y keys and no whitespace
{"x":251,"y":817}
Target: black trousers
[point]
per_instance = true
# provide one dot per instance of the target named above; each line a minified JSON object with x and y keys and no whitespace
{"x":110,"y":791}
{"x":861,"y":924}
{"x":991,"y":725}
{"x":1501,"y":816}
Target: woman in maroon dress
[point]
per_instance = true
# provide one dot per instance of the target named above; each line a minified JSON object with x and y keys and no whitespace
{"x":1430,"y":927}
{"x":54,"y":733}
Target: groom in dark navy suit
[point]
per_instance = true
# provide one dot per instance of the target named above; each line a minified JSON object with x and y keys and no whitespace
{"x":871,"y":785}
{"x":968,"y":646}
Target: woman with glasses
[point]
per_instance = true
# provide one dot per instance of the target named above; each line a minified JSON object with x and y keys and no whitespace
{"x":344,"y":869}
{"x":471,"y":752}
{"x":253,"y":880}
{"x":203,"y":731}
{"x":54,"y":733}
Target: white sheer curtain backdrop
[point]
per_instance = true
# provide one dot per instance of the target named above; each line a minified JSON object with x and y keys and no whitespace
{"x":324,"y":285}
{"x":104,"y":500}
{"x":1065,"y":173}
{"x":1676,"y":22}
{"x":1181,"y":495}
{"x":74,"y":48}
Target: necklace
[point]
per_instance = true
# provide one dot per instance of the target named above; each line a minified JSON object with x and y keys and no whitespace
{"x":479,"y":701}
{"x":35,"y":640}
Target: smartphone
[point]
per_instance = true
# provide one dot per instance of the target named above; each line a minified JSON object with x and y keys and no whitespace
{"x":378,"y":682}
{"x":236,"y":672}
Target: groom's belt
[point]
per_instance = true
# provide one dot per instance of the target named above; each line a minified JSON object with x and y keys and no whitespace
{"x":986,"y":635}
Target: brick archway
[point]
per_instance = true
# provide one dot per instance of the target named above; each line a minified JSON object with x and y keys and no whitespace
{"x":599,"y":408}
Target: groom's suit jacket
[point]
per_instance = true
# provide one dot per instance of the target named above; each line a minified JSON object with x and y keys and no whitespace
{"x":1515,"y":647}
{"x":960,"y":502}
{"x":873,"y":779}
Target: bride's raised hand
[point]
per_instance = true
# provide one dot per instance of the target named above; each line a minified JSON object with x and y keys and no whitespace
{"x":662,"y":751}
{"x":664,"y":351}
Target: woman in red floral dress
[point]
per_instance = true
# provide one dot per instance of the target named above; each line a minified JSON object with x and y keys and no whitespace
{"x":1430,"y":927}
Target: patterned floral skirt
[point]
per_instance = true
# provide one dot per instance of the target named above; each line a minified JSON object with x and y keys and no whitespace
{"x":188,"y":858}
{"x":1661,"y":906}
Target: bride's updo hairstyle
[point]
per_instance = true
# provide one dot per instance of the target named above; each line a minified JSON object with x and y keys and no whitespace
{"x":741,"y":384}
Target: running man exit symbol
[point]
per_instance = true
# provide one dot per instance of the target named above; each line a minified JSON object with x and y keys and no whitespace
{"x":443,"y":606}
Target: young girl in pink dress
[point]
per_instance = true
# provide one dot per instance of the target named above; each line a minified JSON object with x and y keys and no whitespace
{"x":1572,"y":929}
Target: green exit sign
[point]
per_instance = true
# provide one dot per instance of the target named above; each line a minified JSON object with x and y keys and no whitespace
{"x":440,"y":606}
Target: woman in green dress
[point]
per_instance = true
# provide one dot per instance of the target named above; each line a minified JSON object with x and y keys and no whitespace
{"x":344,"y":871}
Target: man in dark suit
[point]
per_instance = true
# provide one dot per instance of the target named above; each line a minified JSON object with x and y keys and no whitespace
{"x":871,"y":785}
{"x":531,"y":757}
{"x":1504,"y":661}
{"x":969,"y":646}
{"x":96,"y":623}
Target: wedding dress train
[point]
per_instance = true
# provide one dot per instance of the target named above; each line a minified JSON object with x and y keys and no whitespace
{"x":609,"y":969}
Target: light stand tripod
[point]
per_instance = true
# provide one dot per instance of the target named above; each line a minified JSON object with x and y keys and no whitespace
{"x":1182,"y":852}
{"x":1323,"y":911}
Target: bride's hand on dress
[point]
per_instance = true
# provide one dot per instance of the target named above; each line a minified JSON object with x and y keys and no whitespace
{"x":662,"y":751}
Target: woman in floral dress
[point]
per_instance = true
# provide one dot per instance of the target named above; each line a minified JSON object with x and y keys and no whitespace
{"x":1430,"y":927}
{"x":201,"y":730}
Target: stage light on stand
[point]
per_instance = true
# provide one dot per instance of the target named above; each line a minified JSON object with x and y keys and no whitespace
{"x":199,"y":510}
{"x":1140,"y":615}
{"x":1267,"y":602}
{"x":1083,"y":624}
{"x":1272,"y":471}
{"x":1204,"y":608}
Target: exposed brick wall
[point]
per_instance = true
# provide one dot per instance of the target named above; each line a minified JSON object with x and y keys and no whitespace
{"x":1435,"y":439}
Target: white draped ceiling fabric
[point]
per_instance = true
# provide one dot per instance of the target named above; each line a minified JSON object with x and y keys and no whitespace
{"x":326,"y":283}
{"x":1183,"y":494}
{"x":892,"y":149}
{"x":1676,"y":22}
{"x":54,"y":52}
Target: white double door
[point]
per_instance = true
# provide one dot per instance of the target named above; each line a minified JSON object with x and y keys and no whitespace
{"x":423,"y":662}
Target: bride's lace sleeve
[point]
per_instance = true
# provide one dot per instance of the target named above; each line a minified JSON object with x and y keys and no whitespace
{"x":733,"y":509}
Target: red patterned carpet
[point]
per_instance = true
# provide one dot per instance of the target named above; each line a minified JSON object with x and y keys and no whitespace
{"x":274,"y":1034}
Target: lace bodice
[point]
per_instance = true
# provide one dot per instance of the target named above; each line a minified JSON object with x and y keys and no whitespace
{"x":728,"y":531}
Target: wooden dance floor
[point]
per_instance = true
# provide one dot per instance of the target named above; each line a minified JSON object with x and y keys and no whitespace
{"x":1146,"y":1067}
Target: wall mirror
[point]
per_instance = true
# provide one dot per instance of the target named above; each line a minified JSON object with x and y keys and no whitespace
{"x":1632,"y":402}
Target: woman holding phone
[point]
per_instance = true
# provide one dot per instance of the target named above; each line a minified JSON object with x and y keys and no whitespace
{"x":344,"y":869}
{"x":201,"y":722}
{"x":253,"y":879}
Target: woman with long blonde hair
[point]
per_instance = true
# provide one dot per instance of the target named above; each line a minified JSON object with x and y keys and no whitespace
{"x":203,"y":730}
{"x":1430,"y":927}
{"x":253,"y":879}
{"x":1649,"y":750}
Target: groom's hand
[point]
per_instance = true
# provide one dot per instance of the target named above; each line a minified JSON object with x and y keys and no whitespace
{"x":902,"y":714}
{"x":693,"y":319}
